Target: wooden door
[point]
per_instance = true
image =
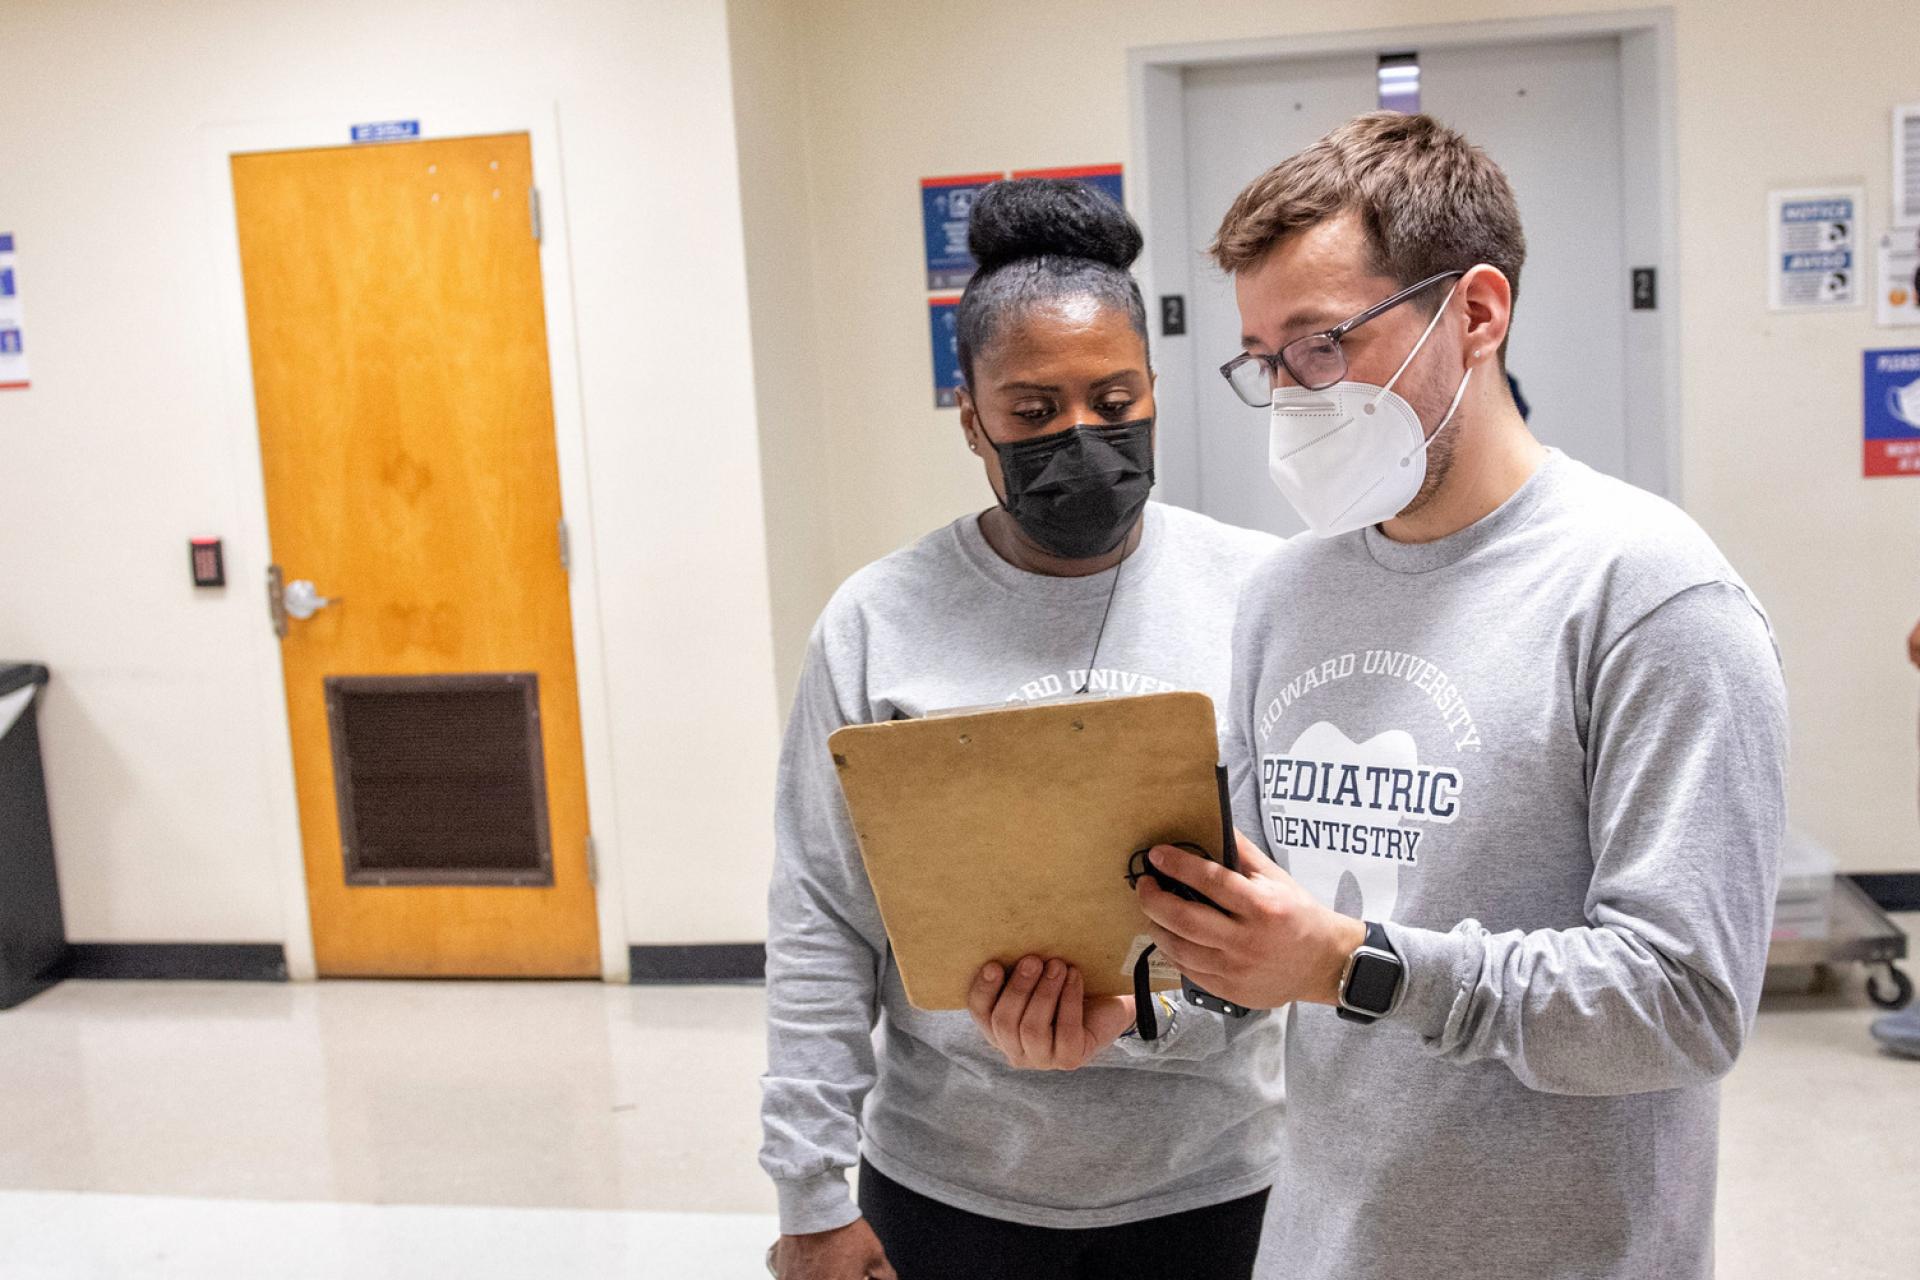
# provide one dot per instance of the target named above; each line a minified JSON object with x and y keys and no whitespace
{"x":400,"y":377}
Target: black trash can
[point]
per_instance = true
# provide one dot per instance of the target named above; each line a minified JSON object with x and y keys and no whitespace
{"x":33,"y":935}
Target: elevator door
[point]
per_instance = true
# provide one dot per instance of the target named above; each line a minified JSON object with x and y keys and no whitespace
{"x":1549,"y":113}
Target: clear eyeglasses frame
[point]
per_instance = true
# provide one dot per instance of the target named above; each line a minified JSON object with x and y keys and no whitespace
{"x":1316,"y":361}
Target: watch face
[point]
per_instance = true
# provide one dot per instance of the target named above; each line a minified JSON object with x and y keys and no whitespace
{"x":1370,"y":989}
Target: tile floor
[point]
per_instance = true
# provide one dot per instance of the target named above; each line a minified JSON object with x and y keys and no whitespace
{"x":483,"y":1130}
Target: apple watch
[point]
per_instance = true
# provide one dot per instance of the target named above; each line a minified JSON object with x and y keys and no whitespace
{"x":1370,"y":985}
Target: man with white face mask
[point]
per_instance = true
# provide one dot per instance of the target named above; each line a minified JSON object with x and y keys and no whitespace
{"x":1517,"y":733}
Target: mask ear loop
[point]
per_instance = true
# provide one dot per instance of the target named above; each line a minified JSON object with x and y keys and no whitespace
{"x":1444,"y":302}
{"x":1453,"y":408}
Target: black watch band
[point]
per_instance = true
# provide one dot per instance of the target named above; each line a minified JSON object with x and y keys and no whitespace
{"x":1370,"y":987}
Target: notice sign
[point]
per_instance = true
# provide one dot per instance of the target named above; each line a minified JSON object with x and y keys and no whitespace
{"x":1814,"y":250}
{"x":1906,"y":165}
{"x":1104,"y":178}
{"x":946,"y":207}
{"x":944,"y":315}
{"x":386,"y":131}
{"x":1891,"y":380}
{"x":1898,"y":299}
{"x":13,"y":349}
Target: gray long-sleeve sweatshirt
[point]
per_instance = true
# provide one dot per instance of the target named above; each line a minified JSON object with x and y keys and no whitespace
{"x":1549,"y":753}
{"x":1146,"y":1128}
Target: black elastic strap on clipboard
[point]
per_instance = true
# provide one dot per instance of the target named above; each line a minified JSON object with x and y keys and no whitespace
{"x":1145,"y":1022}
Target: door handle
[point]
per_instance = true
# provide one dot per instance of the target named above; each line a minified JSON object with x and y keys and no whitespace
{"x":302,"y":601}
{"x":296,"y":599}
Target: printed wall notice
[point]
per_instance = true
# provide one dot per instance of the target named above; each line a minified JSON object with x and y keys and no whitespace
{"x":1897,"y":303}
{"x":944,"y":313}
{"x":1814,"y":248}
{"x":1906,"y":165}
{"x":13,"y":350}
{"x":946,"y":207}
{"x":386,"y":131}
{"x":1102,"y":177}
{"x":1891,"y":380}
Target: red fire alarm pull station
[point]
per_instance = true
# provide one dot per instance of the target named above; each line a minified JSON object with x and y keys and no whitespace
{"x":209,"y":566}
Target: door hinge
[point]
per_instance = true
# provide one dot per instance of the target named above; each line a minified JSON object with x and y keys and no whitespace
{"x":276,"y":601}
{"x":533,"y":213}
{"x":593,"y":863}
{"x":566,"y":546}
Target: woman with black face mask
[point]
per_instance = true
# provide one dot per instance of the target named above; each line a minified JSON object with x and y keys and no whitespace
{"x":980,"y":1154}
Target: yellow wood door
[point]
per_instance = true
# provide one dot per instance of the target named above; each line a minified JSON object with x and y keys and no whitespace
{"x":399,"y":351}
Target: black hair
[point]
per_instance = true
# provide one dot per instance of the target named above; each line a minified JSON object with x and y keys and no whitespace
{"x":1036,"y":239}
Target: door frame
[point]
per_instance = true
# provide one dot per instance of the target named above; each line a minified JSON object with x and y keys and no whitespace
{"x":1650,"y":226}
{"x":249,"y":549}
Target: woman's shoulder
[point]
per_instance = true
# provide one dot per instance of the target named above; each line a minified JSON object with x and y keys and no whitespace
{"x":903,"y":576}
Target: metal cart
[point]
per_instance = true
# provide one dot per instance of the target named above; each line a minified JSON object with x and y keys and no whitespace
{"x":1858,"y":932}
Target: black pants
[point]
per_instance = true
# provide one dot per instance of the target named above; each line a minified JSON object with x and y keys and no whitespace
{"x":927,"y":1240}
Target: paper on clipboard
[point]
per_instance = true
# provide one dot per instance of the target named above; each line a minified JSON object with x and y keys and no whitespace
{"x":1003,"y":833}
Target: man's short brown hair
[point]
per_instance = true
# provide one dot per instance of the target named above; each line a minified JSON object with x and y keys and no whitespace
{"x":1429,"y":201}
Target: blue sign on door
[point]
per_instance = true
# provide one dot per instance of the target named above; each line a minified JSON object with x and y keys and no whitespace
{"x":946,"y":207}
{"x":1891,"y":380}
{"x":944,"y":314}
{"x":386,"y":131}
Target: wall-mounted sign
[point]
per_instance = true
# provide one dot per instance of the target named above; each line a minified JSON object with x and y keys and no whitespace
{"x":943,"y":314}
{"x":1891,"y":382}
{"x":1906,"y":165}
{"x":946,"y":207}
{"x":386,"y":131}
{"x":13,"y":347}
{"x":1897,"y":300}
{"x":1814,"y":251}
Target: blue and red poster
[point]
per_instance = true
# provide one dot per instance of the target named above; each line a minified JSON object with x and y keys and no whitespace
{"x":1891,"y":380}
{"x":943,"y":312}
{"x":946,"y":206}
{"x":1101,"y":177}
{"x":946,"y":209}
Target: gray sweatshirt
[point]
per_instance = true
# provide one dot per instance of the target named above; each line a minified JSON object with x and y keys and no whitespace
{"x":1550,"y":750}
{"x":1144,"y":1129}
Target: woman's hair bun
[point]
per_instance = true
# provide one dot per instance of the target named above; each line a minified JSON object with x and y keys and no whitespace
{"x":1034,"y":217}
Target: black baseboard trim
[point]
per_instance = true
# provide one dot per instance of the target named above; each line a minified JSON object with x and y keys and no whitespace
{"x":1891,"y":890}
{"x":704,"y":963}
{"x":195,"y":961}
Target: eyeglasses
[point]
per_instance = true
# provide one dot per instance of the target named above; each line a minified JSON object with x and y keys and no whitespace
{"x":1316,"y":361}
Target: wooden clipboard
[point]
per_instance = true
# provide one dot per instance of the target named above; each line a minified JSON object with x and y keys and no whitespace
{"x":997,"y":834}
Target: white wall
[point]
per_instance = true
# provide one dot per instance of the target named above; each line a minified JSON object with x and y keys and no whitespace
{"x":771,"y":113}
{"x":162,"y":763}
{"x":1771,"y":404}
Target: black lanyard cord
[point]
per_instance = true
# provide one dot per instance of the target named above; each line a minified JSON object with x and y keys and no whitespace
{"x":1087,"y":681}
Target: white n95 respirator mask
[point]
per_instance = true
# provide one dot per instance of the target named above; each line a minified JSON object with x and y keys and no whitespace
{"x":1353,"y":454}
{"x":1904,"y":403}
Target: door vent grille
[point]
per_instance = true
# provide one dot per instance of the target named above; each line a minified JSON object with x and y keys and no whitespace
{"x":439,"y":779}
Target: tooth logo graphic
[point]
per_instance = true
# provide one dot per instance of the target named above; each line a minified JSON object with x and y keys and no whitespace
{"x":1339,"y":807}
